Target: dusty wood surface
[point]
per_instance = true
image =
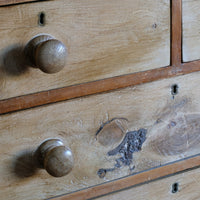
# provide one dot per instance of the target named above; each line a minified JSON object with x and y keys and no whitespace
{"x":104,"y":39}
{"x":70,"y":92}
{"x":66,"y":93}
{"x":188,"y":185}
{"x":96,"y":192}
{"x":172,"y":125}
{"x":10,"y":2}
{"x":191,"y":29}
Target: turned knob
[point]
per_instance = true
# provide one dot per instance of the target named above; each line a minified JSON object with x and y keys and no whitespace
{"x":56,"y":158}
{"x":46,"y":53}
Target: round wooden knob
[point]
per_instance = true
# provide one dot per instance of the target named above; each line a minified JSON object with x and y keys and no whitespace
{"x":46,"y":53}
{"x":56,"y":158}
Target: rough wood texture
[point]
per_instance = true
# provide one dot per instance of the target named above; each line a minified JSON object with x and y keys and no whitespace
{"x":188,"y":188}
{"x":10,"y":2}
{"x":52,"y":96}
{"x":144,"y":177}
{"x":191,"y":29}
{"x":61,"y":94}
{"x":172,"y":123}
{"x":104,"y":38}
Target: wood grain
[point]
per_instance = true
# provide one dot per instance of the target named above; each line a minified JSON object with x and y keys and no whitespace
{"x":176,"y":32}
{"x":66,"y":93}
{"x":191,"y":29}
{"x":104,"y":39}
{"x":171,"y":121}
{"x":149,"y":190}
{"x":162,"y":189}
{"x":10,"y":2}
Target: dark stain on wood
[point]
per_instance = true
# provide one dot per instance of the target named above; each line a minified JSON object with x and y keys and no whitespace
{"x":131,"y":143}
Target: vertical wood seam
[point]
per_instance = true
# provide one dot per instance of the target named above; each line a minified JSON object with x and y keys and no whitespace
{"x":176,"y":33}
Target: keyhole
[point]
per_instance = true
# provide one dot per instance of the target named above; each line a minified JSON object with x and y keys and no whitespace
{"x":174,"y":89}
{"x":175,"y":188}
{"x":41,"y":20}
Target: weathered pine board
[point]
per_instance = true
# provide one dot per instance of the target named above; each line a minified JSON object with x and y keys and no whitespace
{"x":172,"y":133}
{"x":10,"y":2}
{"x":191,"y":29}
{"x":188,"y":188}
{"x":146,"y":176}
{"x":104,"y":39}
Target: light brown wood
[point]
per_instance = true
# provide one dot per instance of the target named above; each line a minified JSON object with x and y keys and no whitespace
{"x":188,"y":188}
{"x":10,"y":2}
{"x":104,"y":38}
{"x":135,"y":180}
{"x":115,"y":83}
{"x":191,"y":29}
{"x":170,"y":120}
{"x":66,"y":93}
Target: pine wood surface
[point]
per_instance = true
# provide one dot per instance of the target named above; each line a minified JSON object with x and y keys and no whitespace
{"x":188,"y":184}
{"x":104,"y":39}
{"x":177,"y":68}
{"x":121,"y":187}
{"x":162,"y":145}
{"x":10,"y":2}
{"x":171,"y":123}
{"x":191,"y":29}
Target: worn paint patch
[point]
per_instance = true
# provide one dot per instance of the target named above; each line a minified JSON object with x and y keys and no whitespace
{"x":131,"y":143}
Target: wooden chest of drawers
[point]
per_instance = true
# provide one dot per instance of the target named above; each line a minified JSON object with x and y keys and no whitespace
{"x":120,"y":106}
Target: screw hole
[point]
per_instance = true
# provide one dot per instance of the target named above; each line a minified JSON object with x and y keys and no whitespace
{"x":41,"y":20}
{"x":175,"y":188}
{"x":174,"y":89}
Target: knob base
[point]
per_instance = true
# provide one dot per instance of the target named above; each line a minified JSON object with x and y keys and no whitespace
{"x":31,"y":46}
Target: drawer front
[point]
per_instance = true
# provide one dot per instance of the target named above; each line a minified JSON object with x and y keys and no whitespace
{"x":182,"y":186}
{"x":103,"y":38}
{"x":191,"y":30}
{"x":92,"y":127}
{"x":10,"y":2}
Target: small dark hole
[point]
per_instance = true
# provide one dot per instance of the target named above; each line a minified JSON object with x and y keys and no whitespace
{"x":41,"y":20}
{"x":101,"y":173}
{"x":174,"y":89}
{"x":175,"y":188}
